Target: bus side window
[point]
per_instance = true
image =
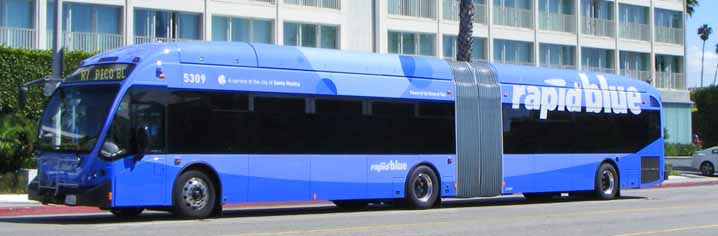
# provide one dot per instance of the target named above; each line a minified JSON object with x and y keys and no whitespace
{"x":148,"y":109}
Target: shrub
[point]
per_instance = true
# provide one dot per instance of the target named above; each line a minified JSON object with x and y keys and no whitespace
{"x":705,"y":117}
{"x":17,"y":136}
{"x":679,"y":149}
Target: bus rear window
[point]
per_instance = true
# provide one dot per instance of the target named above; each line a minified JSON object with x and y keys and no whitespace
{"x":101,"y":72}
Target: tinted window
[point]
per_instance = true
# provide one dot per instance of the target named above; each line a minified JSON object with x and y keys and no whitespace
{"x":140,"y":107}
{"x":327,"y":106}
{"x":577,"y":132}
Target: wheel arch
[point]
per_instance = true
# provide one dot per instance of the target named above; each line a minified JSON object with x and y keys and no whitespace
{"x":431,"y":166}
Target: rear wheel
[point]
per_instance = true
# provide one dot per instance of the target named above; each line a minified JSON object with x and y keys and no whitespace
{"x":421,"y":188}
{"x":194,"y":195}
{"x":707,"y":169}
{"x":351,"y":205}
{"x":607,"y":183}
{"x":127,"y":212}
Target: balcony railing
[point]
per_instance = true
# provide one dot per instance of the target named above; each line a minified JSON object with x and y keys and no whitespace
{"x":559,"y":66}
{"x":557,"y":22}
{"x":636,"y":31}
{"x":148,"y":39}
{"x":604,"y":70}
{"x":669,"y":35}
{"x":451,"y":12}
{"x":91,"y":42}
{"x":331,"y":4}
{"x":17,"y":37}
{"x":670,"y":80}
{"x":515,"y":62}
{"x":414,"y":8}
{"x":264,"y":1}
{"x":514,"y":17}
{"x":637,"y":74}
{"x":598,"y":27}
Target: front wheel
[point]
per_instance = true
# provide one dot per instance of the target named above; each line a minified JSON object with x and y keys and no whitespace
{"x":421,"y":188}
{"x":707,"y":169}
{"x":607,"y":182}
{"x":194,"y":195}
{"x":127,"y":212}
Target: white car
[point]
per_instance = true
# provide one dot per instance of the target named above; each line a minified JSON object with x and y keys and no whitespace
{"x":706,"y":161}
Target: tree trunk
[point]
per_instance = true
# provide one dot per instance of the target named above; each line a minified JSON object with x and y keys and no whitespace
{"x":466,"y":30}
{"x":703,"y":59}
{"x":715,"y":76}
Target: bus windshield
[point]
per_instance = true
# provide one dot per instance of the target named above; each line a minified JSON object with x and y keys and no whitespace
{"x":74,"y":117}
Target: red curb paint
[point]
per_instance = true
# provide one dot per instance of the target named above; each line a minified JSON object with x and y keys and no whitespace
{"x":688,"y":184}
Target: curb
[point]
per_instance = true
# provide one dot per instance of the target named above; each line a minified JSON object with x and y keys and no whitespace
{"x":688,"y":184}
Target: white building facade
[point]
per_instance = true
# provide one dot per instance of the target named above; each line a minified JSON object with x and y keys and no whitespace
{"x":643,"y":39}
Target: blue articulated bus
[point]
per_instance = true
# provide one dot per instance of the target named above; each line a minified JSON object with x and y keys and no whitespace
{"x":189,"y":127}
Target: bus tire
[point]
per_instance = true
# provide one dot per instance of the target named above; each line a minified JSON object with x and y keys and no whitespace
{"x":421,"y":188}
{"x":707,"y":169}
{"x":194,"y":195}
{"x":607,"y":183}
{"x":127,"y":212}
{"x":351,"y":205}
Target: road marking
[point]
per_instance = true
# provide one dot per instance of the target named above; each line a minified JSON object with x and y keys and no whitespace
{"x":435,"y":223}
{"x":673,"y":230}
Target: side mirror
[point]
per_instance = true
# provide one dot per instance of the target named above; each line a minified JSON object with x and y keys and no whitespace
{"x":50,"y":87}
{"x":142,"y":139}
{"x":22,"y":97}
{"x":111,"y":151}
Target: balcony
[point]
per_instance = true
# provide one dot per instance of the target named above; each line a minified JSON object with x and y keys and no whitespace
{"x":331,"y":4}
{"x":148,"y":39}
{"x":603,"y":70}
{"x":669,"y":35}
{"x":451,"y":12}
{"x":559,"y":66}
{"x":413,"y":8}
{"x":17,"y":37}
{"x":598,"y":27}
{"x":635,"y":31}
{"x":265,"y":1}
{"x":637,"y":74}
{"x":515,"y":62}
{"x":514,"y":17}
{"x":557,"y":22}
{"x":670,"y":80}
{"x":90,"y":42}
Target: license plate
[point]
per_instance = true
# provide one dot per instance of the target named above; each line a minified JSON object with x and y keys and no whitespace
{"x":71,"y":199}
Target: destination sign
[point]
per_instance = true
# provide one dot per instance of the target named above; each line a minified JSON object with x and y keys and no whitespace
{"x":101,"y":72}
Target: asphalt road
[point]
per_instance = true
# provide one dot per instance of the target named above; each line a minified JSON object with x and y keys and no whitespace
{"x":670,"y":211}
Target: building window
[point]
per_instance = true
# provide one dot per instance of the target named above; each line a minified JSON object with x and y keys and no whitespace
{"x":478,"y":49}
{"x":598,"y":60}
{"x":311,"y":35}
{"x":331,"y":4}
{"x":88,"y":27}
{"x":242,"y":30}
{"x":635,"y":65}
{"x":669,"y":26}
{"x":17,"y":23}
{"x":634,"y":22}
{"x":514,"y":13}
{"x":513,"y":52}
{"x":414,"y":8}
{"x":557,"y":56}
{"x":166,"y":26}
{"x":411,"y":43}
{"x":557,"y":15}
{"x":669,"y":72}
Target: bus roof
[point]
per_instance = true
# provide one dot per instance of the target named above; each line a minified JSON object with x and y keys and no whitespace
{"x":339,"y":61}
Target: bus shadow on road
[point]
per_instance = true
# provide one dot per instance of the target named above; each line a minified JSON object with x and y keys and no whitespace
{"x":153,"y":216}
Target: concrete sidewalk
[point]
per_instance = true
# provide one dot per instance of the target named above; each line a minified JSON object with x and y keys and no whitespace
{"x":19,"y":205}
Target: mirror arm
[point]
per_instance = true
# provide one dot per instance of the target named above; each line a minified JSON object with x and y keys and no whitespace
{"x":23,"y":89}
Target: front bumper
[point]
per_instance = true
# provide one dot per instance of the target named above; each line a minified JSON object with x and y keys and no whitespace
{"x":97,"y":196}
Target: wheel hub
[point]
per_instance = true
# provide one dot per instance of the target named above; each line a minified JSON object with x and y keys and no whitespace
{"x":195,"y":194}
{"x":608,"y":182}
{"x":423,"y":187}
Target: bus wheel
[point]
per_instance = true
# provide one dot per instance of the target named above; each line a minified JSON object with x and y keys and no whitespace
{"x":194,"y":195}
{"x":351,"y":205}
{"x":422,"y":188}
{"x":707,"y":169}
{"x":607,"y":184}
{"x":127,"y":212}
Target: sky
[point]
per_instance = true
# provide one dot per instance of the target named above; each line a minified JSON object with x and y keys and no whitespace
{"x":706,"y":13}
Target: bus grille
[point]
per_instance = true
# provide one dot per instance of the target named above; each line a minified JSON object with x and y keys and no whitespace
{"x":650,"y":169}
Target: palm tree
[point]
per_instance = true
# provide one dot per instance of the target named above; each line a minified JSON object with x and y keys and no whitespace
{"x":690,"y":6}
{"x":716,"y":74}
{"x":466,"y":30}
{"x":704,"y":32}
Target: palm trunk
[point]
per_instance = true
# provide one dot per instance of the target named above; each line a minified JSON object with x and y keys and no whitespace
{"x":715,"y":76}
{"x":703,"y":59}
{"x":466,"y":31}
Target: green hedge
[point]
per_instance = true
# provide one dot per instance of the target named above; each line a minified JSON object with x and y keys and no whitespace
{"x":705,"y":117}
{"x":17,"y":128}
{"x":18,"y":66}
{"x":12,"y":182}
{"x":679,"y":149}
